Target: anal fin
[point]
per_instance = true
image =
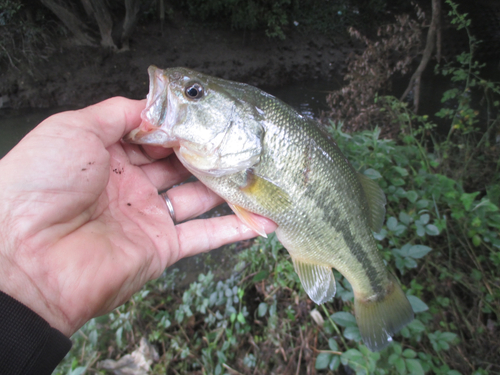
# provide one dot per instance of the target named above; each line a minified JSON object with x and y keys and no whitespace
{"x":248,"y":219}
{"x":318,"y":281}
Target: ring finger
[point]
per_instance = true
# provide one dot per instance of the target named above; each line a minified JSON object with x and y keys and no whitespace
{"x":191,"y":200}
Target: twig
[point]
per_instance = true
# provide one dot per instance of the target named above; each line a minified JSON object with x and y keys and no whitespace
{"x":231,"y":370}
{"x":327,"y":351}
{"x":300,"y":353}
{"x":429,"y":47}
{"x":335,"y":326}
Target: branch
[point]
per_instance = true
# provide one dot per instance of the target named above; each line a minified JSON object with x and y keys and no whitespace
{"x":429,"y":47}
{"x":70,"y":20}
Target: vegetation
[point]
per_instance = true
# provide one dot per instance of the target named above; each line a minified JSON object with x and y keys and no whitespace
{"x":441,"y":238}
{"x":370,"y":73}
{"x":27,"y":27}
{"x":22,"y":38}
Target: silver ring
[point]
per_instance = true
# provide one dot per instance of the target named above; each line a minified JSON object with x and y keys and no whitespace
{"x":169,"y":206}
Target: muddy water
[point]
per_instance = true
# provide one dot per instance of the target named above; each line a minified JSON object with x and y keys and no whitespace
{"x":16,"y":123}
{"x":306,"y":97}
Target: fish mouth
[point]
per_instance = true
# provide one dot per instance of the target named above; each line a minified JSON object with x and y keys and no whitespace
{"x":158,"y":116}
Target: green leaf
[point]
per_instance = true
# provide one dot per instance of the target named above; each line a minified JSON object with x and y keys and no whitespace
{"x":398,"y":349}
{"x":372,"y":173}
{"x":332,"y":344}
{"x":419,"y":251}
{"x":476,"y":240}
{"x":352,"y":333}
{"x":344,"y":319}
{"x":448,"y":336}
{"x":335,"y":363}
{"x":408,"y":353}
{"x":402,"y":171}
{"x":392,"y":223}
{"x":397,"y":181}
{"x":422,"y":203}
{"x":79,"y":370}
{"x":420,"y":229}
{"x":262,"y":309}
{"x":412,"y":196}
{"x":416,"y":325}
{"x":417,"y":304}
{"x":400,"y":365}
{"x":353,"y":355}
{"x":424,"y":219}
{"x":414,"y":367}
{"x":405,"y":218}
{"x":322,"y":361}
{"x":410,"y":263}
{"x":468,"y":199}
{"x":380,"y":235}
{"x":431,"y":230}
{"x":262,"y":275}
{"x":393,"y":358}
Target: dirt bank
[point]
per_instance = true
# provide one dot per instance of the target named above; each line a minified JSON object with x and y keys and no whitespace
{"x":78,"y":76}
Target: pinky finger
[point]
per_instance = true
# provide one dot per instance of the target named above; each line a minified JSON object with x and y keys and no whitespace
{"x":198,"y":236}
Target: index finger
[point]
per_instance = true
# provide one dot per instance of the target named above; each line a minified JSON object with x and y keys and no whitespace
{"x":109,"y":120}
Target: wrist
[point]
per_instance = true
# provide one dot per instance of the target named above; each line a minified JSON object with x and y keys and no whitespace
{"x":17,"y":282}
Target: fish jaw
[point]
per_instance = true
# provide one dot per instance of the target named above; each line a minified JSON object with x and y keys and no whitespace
{"x":159,"y":116}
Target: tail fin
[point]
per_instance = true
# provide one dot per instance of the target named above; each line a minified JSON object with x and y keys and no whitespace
{"x":379,"y":319}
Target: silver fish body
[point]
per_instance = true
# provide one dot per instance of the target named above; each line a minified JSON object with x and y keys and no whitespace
{"x":263,"y":157}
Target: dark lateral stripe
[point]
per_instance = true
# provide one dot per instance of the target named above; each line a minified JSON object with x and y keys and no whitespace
{"x":356,"y":248}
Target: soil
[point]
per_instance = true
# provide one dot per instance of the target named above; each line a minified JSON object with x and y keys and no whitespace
{"x":80,"y":75}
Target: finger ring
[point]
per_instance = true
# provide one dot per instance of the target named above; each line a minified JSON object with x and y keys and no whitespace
{"x":170,"y":206}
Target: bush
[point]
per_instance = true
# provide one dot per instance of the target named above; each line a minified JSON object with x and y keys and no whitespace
{"x":24,"y":34}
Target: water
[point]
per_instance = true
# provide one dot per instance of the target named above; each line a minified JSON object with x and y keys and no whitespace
{"x":306,"y":97}
{"x":16,"y":123}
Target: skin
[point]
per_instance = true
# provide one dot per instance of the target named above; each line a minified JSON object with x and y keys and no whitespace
{"x":83,"y":226}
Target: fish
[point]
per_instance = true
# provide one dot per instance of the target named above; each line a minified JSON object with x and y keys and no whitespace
{"x":264,"y":158}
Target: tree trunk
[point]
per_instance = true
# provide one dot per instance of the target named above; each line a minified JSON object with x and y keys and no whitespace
{"x":429,"y":47}
{"x":70,"y":20}
{"x":105,"y":23}
{"x":131,"y":9}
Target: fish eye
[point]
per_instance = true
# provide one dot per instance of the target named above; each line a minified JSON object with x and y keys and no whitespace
{"x":194,"y":91}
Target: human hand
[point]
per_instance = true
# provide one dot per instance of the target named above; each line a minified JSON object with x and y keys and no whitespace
{"x":82,"y":224}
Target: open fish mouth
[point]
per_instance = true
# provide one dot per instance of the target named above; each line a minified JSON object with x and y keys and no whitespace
{"x":159,"y":114}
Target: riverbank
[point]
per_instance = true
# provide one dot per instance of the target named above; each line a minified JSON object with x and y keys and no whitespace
{"x":77,"y":76}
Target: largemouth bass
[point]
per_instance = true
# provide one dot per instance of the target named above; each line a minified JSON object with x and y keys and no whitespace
{"x":262,"y":157}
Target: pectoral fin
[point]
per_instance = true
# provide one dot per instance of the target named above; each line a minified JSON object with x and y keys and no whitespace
{"x":318,"y":281}
{"x":248,"y":219}
{"x":265,"y":193}
{"x":376,"y":202}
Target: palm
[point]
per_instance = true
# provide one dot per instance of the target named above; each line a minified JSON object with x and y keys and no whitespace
{"x":83,"y":225}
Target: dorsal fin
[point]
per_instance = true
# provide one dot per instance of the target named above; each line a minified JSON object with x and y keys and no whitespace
{"x":376,"y":202}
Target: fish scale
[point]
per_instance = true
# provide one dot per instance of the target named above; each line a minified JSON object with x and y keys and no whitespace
{"x":264,"y":158}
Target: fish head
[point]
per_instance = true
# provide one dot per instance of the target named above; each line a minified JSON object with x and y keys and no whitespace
{"x":213,"y":125}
